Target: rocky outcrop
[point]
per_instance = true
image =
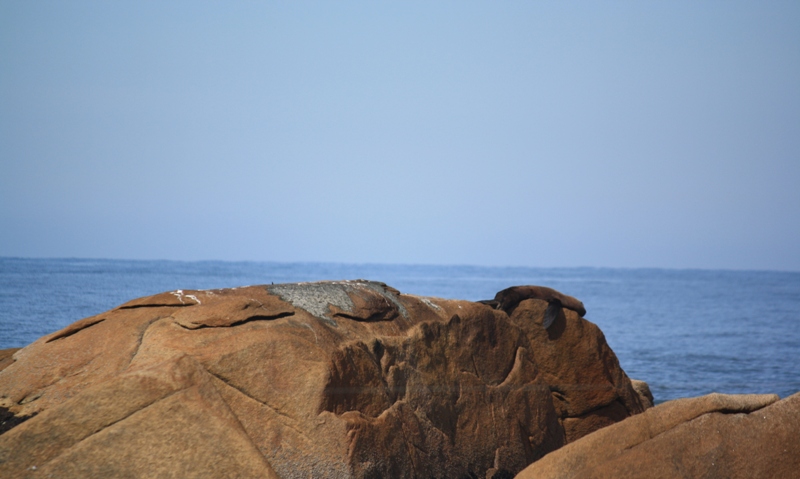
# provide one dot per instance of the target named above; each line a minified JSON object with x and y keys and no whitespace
{"x":6,"y":357}
{"x":335,"y":379}
{"x":714,"y":436}
{"x":643,"y":390}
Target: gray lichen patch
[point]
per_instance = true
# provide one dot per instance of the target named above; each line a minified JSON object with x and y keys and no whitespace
{"x":317,"y":298}
{"x":429,"y":303}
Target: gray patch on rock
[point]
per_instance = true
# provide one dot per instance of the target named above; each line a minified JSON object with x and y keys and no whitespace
{"x":429,"y":303}
{"x":316,"y":298}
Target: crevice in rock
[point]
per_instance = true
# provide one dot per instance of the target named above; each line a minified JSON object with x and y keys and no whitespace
{"x":106,"y":426}
{"x":228,"y":383}
{"x":377,"y":350}
{"x":698,"y":414}
{"x":650,"y":436}
{"x":58,"y":453}
{"x":70,"y":330}
{"x":516,"y":363}
{"x":235,"y":416}
{"x":597,"y":408}
{"x":409,"y":446}
{"x":286,"y":420}
{"x":475,"y":367}
{"x":78,"y":369}
{"x":257,"y":317}
{"x":156,"y":305}
{"x":241,"y":391}
{"x":8,"y":420}
{"x":140,"y":339}
{"x":380,"y":316}
{"x":559,"y":395}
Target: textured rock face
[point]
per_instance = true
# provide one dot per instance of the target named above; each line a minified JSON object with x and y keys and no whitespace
{"x":643,"y":390}
{"x":336,"y":379}
{"x":714,"y":436}
{"x":6,"y":357}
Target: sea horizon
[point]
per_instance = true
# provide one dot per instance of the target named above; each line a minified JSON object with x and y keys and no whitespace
{"x":686,"y":332}
{"x":410,"y":264}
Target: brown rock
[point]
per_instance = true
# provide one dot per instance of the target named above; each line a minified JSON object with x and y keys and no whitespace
{"x":714,"y":436}
{"x":335,"y":379}
{"x":168,"y":420}
{"x":643,"y":390}
{"x":6,"y":357}
{"x":589,"y":388}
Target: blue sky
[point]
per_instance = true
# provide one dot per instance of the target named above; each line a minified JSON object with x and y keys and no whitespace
{"x":621,"y":134}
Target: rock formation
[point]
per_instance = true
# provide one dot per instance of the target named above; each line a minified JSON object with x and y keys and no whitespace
{"x":336,"y":379}
{"x":6,"y":357}
{"x":714,"y":436}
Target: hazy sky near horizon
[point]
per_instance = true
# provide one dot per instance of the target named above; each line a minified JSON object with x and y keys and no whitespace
{"x":621,"y":134}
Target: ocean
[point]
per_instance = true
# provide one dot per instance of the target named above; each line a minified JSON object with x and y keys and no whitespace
{"x":685,"y":332}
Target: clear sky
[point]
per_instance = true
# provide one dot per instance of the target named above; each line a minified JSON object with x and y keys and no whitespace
{"x":622,"y":134}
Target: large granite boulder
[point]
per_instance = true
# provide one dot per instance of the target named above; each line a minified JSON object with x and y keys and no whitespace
{"x":715,"y":436}
{"x":336,"y":379}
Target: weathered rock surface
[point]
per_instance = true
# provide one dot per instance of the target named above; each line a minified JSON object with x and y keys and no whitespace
{"x":6,"y":357}
{"x":643,"y":390}
{"x":714,"y":436}
{"x":336,"y":379}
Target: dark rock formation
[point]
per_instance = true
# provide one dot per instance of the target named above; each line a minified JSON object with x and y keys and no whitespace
{"x":336,"y":379}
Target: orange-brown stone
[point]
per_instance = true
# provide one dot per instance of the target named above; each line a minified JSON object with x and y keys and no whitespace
{"x":714,"y":436}
{"x":334,"y":379}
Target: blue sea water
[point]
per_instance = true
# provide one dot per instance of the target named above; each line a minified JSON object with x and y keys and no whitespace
{"x":685,"y":332}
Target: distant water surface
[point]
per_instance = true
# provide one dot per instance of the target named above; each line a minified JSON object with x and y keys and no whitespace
{"x":685,"y":332}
